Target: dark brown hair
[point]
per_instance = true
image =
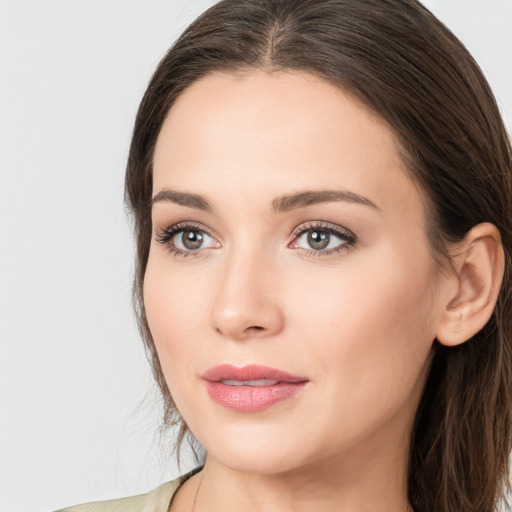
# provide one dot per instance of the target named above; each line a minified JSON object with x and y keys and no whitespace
{"x":397,"y":58}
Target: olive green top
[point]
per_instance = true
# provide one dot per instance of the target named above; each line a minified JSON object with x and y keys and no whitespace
{"x":157,"y":500}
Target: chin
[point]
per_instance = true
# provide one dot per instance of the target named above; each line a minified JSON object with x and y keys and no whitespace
{"x":258,"y":463}
{"x":258,"y":449}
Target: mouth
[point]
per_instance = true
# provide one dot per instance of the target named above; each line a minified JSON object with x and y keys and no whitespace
{"x":251,"y":388}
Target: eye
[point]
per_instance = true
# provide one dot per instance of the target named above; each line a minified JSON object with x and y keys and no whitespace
{"x":322,"y":238}
{"x":190,"y":239}
{"x":185,"y":239}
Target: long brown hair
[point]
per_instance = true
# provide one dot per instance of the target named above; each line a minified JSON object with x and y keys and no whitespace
{"x":410,"y":69}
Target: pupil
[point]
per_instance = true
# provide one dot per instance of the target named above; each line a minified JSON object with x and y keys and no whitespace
{"x":192,"y":239}
{"x":318,"y":239}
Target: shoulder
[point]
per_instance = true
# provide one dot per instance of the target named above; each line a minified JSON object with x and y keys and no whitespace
{"x":157,"y":500}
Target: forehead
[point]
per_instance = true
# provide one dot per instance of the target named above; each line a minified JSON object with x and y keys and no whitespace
{"x":260,"y":134}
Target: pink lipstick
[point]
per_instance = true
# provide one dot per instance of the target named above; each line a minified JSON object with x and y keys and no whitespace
{"x":251,"y":388}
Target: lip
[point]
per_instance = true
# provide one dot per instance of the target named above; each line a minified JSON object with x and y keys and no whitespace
{"x":251,"y":398}
{"x":249,"y":372}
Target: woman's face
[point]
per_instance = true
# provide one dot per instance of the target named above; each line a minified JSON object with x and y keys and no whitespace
{"x":287,"y":235}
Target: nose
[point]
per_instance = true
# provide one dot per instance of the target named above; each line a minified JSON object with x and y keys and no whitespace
{"x":246,"y":303}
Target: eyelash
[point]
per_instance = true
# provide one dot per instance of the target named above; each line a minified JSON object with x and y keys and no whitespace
{"x":349,"y":239}
{"x":167,"y":235}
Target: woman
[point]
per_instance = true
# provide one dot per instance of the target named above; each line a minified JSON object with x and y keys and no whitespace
{"x":322,"y":201}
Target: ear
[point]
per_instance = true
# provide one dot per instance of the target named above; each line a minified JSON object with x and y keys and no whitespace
{"x":479,"y":265}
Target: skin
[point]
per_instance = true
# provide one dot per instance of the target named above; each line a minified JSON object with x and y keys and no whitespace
{"x":358,"y":323}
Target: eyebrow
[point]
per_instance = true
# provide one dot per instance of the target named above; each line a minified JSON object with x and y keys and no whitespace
{"x":182,"y":198}
{"x":279,"y":205}
{"x":310,"y":197}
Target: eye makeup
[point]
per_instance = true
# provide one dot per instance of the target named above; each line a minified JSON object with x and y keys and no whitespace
{"x":177,"y":237}
{"x":323,"y":239}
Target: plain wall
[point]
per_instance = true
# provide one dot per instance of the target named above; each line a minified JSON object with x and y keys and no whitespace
{"x":78,"y":410}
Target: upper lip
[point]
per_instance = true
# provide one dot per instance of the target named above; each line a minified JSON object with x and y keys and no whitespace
{"x":249,"y":372}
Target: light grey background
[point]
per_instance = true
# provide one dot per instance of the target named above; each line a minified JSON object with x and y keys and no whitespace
{"x":78,"y":410}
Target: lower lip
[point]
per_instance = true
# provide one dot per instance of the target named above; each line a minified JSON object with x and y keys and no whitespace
{"x":252,"y":398}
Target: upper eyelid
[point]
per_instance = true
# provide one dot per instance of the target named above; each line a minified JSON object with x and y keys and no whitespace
{"x":184,"y":225}
{"x":329,"y":226}
{"x":318,"y":224}
{"x":304,"y":226}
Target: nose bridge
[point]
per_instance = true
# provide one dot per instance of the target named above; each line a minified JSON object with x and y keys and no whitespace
{"x":246,"y":303}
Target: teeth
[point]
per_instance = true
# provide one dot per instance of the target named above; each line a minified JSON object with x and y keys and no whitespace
{"x":229,"y":382}
{"x":259,"y":382}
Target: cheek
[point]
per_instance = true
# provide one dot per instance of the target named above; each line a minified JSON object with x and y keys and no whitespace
{"x":368,"y":337}
{"x":390,"y":294}
{"x":172,"y":305}
{"x":368,"y":325}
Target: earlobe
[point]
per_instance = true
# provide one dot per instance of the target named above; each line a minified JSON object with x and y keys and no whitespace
{"x":479,"y":268}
